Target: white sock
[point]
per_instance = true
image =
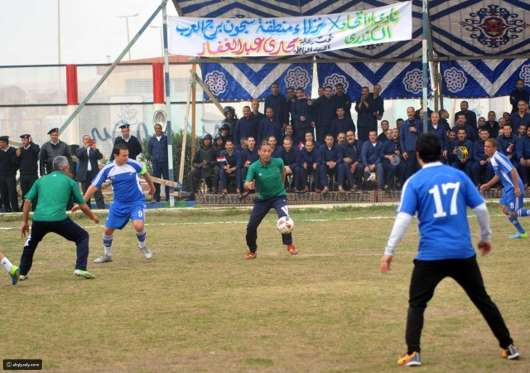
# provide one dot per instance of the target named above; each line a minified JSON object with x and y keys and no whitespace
{"x":7,"y":264}
{"x":107,"y":245}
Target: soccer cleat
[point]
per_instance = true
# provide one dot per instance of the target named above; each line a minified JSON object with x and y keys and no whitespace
{"x":519,"y":236}
{"x":412,"y":360}
{"x":292,"y":249}
{"x":14,"y":274}
{"x":23,"y":277}
{"x":511,"y":353}
{"x":103,"y":259}
{"x":148,"y":254}
{"x":251,"y":255}
{"x":84,"y":274}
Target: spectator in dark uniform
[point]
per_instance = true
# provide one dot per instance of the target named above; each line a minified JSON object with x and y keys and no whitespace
{"x":342,"y":123}
{"x":245,"y":127}
{"x":351,"y":157}
{"x":157,"y":149}
{"x":471,"y":131}
{"x":130,"y":141}
{"x":410,"y":130}
{"x":378,"y":102}
{"x":269,"y":127}
{"x":204,"y":165}
{"x":28,"y":158}
{"x":481,"y":168}
{"x":342,"y":100}
{"x":518,"y":94}
{"x":301,"y":116}
{"x":8,"y":172}
{"x":462,"y":144}
{"x":289,"y":155}
{"x":279,"y":105}
{"x":273,"y":143}
{"x":245,"y":159}
{"x":324,"y":113}
{"x":506,"y":143}
{"x":254,"y":106}
{"x":88,"y":168}
{"x":436,"y":127}
{"x":523,"y":156}
{"x":371,"y":159}
{"x":51,"y":149}
{"x":366,"y":121}
{"x":492,"y":125}
{"x":331,"y":164}
{"x":521,"y":116}
{"x":308,"y":166}
{"x":385,"y":127}
{"x":389,"y":152}
{"x":228,"y":170}
{"x":471,"y":117}
{"x":224,"y":132}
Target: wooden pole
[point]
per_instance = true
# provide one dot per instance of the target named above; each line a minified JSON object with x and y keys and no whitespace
{"x":185,"y":136}
{"x":193,"y":110}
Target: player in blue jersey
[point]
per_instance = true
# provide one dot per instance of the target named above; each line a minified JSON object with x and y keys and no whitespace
{"x":129,"y":201}
{"x":440,"y":195}
{"x":513,"y":188}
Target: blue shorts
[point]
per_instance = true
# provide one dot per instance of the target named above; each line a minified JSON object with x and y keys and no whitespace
{"x":509,"y":200}
{"x":119,"y":214}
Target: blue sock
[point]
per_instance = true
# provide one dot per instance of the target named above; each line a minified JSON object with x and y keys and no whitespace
{"x":523,"y":212}
{"x":516,"y":224}
{"x":141,"y":238}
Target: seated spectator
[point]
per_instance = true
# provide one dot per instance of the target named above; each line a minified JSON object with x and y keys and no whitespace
{"x":288,"y":132}
{"x":471,"y":117}
{"x":506,"y":143}
{"x":523,"y":156}
{"x":330,"y":164}
{"x":351,"y":160}
{"x":204,"y":166}
{"x":371,"y":159}
{"x":273,"y":143}
{"x":471,"y":131}
{"x":289,"y":154}
{"x":247,"y":156}
{"x":390,"y":159}
{"x":521,"y":117}
{"x":521,"y":132}
{"x":383,"y":136}
{"x":307,"y":164}
{"x":224,"y":132}
{"x":342,"y":123}
{"x":460,"y":152}
{"x":228,"y":168}
{"x":308,"y":136}
{"x":481,"y":169}
{"x":268,"y":127}
{"x":492,"y":125}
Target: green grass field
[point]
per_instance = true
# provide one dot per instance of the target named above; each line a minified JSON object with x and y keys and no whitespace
{"x":199,"y":306}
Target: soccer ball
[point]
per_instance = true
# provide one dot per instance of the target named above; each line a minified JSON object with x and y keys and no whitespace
{"x":285,"y":224}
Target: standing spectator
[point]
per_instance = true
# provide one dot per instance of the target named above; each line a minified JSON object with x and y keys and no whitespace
{"x":471,"y":117}
{"x":399,"y":123}
{"x":366,"y":121}
{"x":481,"y":168}
{"x":351,"y":156}
{"x":324,"y":113}
{"x":371,"y":158}
{"x":157,"y":149}
{"x":269,"y":127}
{"x":521,"y":116}
{"x":308,"y":163}
{"x":471,"y":131}
{"x":301,"y":116}
{"x":204,"y":165}
{"x":342,"y":100}
{"x":245,"y":127}
{"x":279,"y":106}
{"x":383,"y":136}
{"x":378,"y":102}
{"x":410,"y":130}
{"x":8,"y":172}
{"x":228,"y":170}
{"x":224,"y":132}
{"x":436,"y":127}
{"x":130,"y":141}
{"x":28,"y":157}
{"x":52,"y":149}
{"x":254,"y":106}
{"x":506,"y":143}
{"x":492,"y":125}
{"x":523,"y":155}
{"x":88,"y":168}
{"x":518,"y":94}
{"x":444,"y":119}
{"x":342,"y":123}
{"x":230,"y":119}
{"x":289,"y":155}
{"x":331,"y":164}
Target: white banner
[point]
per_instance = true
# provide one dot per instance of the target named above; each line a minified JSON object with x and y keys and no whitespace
{"x":253,"y":37}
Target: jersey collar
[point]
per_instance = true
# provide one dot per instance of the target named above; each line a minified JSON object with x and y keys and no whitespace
{"x":432,"y":164}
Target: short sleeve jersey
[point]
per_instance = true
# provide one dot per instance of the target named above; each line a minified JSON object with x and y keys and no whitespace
{"x":124,"y":179}
{"x":503,"y":169}
{"x":268,"y":178}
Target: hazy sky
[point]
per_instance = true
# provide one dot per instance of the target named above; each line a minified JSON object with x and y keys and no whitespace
{"x":90,"y":30}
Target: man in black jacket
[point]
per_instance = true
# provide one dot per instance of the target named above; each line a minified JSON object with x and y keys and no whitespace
{"x":88,"y":156}
{"x":52,"y":149}
{"x":8,"y":171}
{"x":132,"y":143}
{"x":204,"y":165}
{"x":28,"y":158}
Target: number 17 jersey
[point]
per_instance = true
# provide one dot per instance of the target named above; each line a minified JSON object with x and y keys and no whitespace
{"x":440,"y":195}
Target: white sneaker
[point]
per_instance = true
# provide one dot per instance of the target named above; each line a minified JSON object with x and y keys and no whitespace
{"x":148,"y":254}
{"x":23,"y":277}
{"x":103,"y":259}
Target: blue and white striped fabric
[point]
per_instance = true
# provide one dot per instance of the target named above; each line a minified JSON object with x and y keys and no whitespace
{"x":124,"y":179}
